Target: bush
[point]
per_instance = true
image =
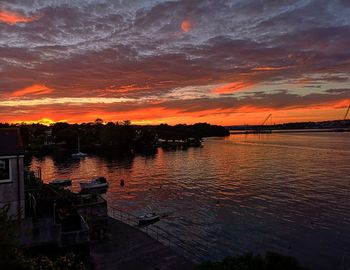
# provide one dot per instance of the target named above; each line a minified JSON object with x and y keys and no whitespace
{"x":12,"y":258}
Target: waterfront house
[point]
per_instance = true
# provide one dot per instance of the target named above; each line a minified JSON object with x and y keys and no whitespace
{"x":11,"y":171}
{"x":49,"y":221}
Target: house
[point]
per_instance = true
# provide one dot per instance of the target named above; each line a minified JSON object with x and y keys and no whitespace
{"x":49,"y":221}
{"x":12,"y":171}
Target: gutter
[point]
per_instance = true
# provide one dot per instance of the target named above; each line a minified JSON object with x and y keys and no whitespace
{"x":18,"y":189}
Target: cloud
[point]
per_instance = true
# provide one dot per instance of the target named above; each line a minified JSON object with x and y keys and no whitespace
{"x":171,"y":52}
{"x":36,"y":89}
{"x":232,"y":87}
{"x":63,"y":101}
{"x":221,"y":110}
{"x":278,"y":100}
{"x":11,"y":18}
{"x":269,"y":68}
{"x":186,"y":25}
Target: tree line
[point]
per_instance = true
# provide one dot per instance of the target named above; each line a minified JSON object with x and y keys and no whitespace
{"x":121,"y":136}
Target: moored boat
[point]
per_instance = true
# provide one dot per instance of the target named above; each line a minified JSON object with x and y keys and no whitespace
{"x":61,"y":182}
{"x":148,"y":219}
{"x":79,"y":154}
{"x":97,"y":183}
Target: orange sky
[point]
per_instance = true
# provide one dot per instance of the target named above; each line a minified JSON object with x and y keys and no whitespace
{"x":37,"y":103}
{"x":156,"y":115}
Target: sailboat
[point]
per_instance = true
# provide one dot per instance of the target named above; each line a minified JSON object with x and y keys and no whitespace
{"x":79,"y":154}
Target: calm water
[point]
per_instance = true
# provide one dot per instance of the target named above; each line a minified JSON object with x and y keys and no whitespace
{"x":288,"y":193}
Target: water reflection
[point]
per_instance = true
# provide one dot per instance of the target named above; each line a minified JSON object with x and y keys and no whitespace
{"x":283,"y":192}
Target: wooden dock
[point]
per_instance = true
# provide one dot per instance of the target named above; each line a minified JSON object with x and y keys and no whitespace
{"x":129,"y":248}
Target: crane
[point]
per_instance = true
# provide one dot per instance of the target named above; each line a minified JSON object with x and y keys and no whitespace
{"x":260,"y":129}
{"x":347,"y":112}
{"x":267,"y":118}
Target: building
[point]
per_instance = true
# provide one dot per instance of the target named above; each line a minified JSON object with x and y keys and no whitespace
{"x":50,"y":223}
{"x":12,"y":171}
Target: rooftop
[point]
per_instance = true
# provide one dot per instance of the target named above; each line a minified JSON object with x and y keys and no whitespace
{"x":10,"y":142}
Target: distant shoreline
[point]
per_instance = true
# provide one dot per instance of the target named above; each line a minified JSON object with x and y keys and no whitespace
{"x":237,"y":132}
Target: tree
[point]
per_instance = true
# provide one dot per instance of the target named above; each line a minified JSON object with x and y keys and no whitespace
{"x":9,"y":228}
{"x":12,"y":258}
{"x":126,"y":122}
{"x":98,"y":121}
{"x":68,"y":135}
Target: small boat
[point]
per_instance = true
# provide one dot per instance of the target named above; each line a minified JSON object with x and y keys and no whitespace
{"x":98,"y":183}
{"x":148,"y":219}
{"x":79,"y":154}
{"x":61,"y":182}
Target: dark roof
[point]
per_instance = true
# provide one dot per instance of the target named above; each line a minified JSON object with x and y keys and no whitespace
{"x":10,"y":142}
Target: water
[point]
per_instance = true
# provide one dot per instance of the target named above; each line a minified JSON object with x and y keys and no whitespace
{"x":288,"y":193}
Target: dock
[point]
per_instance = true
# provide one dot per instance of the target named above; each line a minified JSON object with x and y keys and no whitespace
{"x":129,"y":248}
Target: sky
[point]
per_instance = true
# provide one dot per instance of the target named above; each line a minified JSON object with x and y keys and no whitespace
{"x":227,"y":62}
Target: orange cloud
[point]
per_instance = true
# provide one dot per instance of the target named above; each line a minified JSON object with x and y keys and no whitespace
{"x":186,"y":25}
{"x":232,"y":87}
{"x":124,"y":89}
{"x":13,"y":18}
{"x":36,"y":89}
{"x":269,"y":68}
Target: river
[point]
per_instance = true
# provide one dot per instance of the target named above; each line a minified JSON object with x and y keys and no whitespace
{"x":288,"y":193}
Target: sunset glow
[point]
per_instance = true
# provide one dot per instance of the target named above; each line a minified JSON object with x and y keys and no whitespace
{"x":269,"y":68}
{"x":232,"y":87}
{"x":36,"y":89}
{"x":13,"y":17}
{"x":174,"y":62}
{"x":186,"y":25}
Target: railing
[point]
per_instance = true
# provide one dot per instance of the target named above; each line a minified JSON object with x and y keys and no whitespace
{"x":166,"y":238}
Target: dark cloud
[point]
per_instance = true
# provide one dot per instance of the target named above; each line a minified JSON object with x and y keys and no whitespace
{"x":259,"y":100}
{"x":99,"y":48}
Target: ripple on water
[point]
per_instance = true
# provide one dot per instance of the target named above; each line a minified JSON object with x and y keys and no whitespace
{"x":281,"y":192}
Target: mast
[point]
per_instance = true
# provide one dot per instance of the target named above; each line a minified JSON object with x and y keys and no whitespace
{"x":78,"y":144}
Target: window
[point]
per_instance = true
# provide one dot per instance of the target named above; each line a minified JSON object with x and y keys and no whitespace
{"x":5,"y":172}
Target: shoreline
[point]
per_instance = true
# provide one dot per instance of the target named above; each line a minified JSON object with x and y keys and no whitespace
{"x":236,"y":132}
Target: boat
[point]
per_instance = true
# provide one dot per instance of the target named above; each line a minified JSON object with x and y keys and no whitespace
{"x":79,"y":154}
{"x":61,"y":182}
{"x":94,"y":184}
{"x":148,"y":219}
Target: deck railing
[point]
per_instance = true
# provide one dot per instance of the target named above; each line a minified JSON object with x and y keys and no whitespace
{"x":166,"y":238}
